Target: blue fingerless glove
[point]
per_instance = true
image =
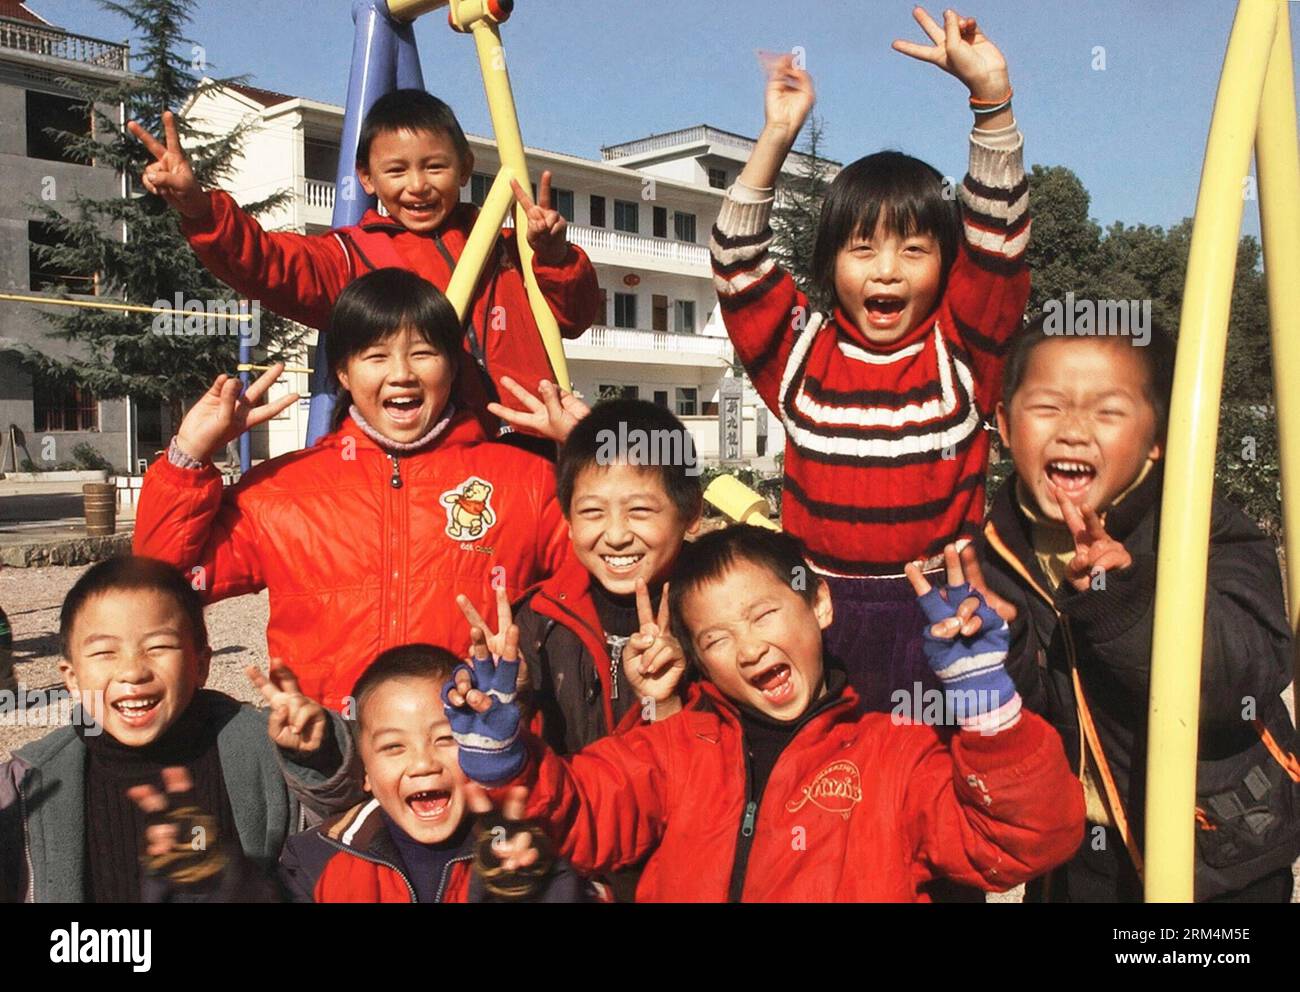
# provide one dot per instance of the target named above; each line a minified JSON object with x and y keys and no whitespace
{"x":490,"y":749}
{"x":977,"y":689}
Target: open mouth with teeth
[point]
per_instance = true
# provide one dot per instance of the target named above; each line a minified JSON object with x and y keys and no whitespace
{"x":404,"y":410}
{"x":621,"y":564}
{"x":420,"y":209}
{"x":884,"y":311}
{"x":1072,"y":477}
{"x":137,"y":710}
{"x":775,"y":683}
{"x":431,"y":804}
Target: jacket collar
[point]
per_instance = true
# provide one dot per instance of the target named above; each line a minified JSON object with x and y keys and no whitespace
{"x":463,"y":429}
{"x":454,"y":230}
{"x":821,"y":715}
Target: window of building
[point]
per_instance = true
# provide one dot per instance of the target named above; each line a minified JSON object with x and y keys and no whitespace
{"x":661,"y":398}
{"x":58,"y":407}
{"x":718,"y":178}
{"x":684,"y":226}
{"x":661,"y":222}
{"x":685,"y":316}
{"x":562,"y":200}
{"x":687,"y":403}
{"x":617,"y":391}
{"x":44,"y":110}
{"x":625,"y":310}
{"x":626,"y":216}
{"x":320,"y":160}
{"x":597,"y":211}
{"x":479,"y":184}
{"x":45,"y":272}
{"x":602,"y":315}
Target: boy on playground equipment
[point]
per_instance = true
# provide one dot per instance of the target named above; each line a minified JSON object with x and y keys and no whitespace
{"x":412,"y":155}
{"x":883,"y":400}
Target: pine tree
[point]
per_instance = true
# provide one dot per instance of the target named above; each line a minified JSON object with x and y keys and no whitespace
{"x":121,"y":353}
{"x":798,"y":211}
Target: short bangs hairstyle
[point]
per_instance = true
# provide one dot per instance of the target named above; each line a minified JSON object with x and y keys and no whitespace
{"x":409,"y":110}
{"x":409,"y":661}
{"x":906,"y":192}
{"x":131,"y":573}
{"x":709,"y":557}
{"x":621,"y":427}
{"x":1157,"y":357}
{"x":381,"y":303}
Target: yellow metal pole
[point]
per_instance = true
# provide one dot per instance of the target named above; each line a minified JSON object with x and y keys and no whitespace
{"x":1277,"y":165}
{"x":409,"y":10}
{"x":510,"y":146}
{"x":1174,"y":711}
{"x":481,"y":239}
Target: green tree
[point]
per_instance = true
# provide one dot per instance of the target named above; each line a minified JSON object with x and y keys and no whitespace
{"x":118,"y":352}
{"x":798,"y":211}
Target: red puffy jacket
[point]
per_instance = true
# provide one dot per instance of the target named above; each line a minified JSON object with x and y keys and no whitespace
{"x":856,"y":809}
{"x":300,"y":276}
{"x":354,"y":564}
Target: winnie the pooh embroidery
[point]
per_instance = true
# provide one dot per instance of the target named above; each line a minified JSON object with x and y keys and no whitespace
{"x":469,"y":513}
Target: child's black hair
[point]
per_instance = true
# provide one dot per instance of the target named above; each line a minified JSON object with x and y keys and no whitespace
{"x":409,"y":661}
{"x":617,"y":431}
{"x":409,"y":110}
{"x":130,"y":573}
{"x":708,"y":557}
{"x":381,"y":303}
{"x":907,"y":192}
{"x":1157,"y":356}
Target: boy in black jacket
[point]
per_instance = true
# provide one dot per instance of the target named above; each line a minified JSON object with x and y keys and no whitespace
{"x":1070,"y":545}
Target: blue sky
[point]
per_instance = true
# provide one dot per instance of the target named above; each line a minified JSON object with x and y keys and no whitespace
{"x":589,"y":73}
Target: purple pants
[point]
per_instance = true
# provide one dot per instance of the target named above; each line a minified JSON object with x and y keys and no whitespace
{"x":875,"y":637}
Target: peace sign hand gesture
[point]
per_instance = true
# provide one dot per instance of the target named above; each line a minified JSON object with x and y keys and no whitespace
{"x":961,"y":49}
{"x":653,"y":659}
{"x":553,"y":417}
{"x":222,"y":414}
{"x":170,"y":175}
{"x":545,"y":226}
{"x":1094,"y":550}
{"x":483,"y":642}
{"x":297,"y":723}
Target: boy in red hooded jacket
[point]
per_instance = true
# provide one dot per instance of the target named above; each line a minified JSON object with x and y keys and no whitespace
{"x":769,"y":786}
{"x":412,"y":155}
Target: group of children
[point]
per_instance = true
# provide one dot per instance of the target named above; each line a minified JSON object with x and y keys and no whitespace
{"x":656,"y":714}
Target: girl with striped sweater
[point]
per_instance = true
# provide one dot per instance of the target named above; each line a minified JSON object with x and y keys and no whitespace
{"x":884,"y":399}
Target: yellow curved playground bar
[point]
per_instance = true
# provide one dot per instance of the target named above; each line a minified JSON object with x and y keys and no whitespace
{"x":1260,"y":26}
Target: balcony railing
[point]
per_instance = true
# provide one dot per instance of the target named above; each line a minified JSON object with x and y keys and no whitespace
{"x":623,"y":339}
{"x":665,"y":249}
{"x":64,"y":45}
{"x":318,"y":193}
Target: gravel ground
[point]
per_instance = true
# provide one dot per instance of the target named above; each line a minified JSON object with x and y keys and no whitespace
{"x":236,"y":628}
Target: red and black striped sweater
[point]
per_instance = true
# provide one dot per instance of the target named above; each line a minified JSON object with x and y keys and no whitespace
{"x":885,"y":446}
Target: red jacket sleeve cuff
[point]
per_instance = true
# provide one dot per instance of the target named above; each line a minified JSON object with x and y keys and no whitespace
{"x":205,"y":230}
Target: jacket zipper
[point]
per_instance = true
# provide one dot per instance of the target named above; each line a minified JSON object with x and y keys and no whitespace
{"x":745,"y":839}
{"x":396,"y":480}
{"x":366,"y":856}
{"x":27,"y":846}
{"x":446,"y":870}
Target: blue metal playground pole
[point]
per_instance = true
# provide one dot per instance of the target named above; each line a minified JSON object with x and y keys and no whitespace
{"x":384,"y":57}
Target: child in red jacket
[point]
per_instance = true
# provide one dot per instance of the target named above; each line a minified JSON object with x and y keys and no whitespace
{"x":830,"y":805}
{"x":883,"y":396}
{"x":412,"y":155}
{"x":364,"y":539}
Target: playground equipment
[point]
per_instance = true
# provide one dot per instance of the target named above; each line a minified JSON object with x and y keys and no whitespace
{"x":384,"y":58}
{"x":1256,"y":100}
{"x":738,"y":502}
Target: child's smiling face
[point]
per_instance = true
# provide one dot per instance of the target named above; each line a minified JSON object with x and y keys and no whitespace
{"x":410,"y":758}
{"x":625,"y":526}
{"x":133,"y":659}
{"x":400,"y":384}
{"x":758,"y":640}
{"x":1080,"y":418}
{"x":417,"y":176}
{"x":888,"y":284}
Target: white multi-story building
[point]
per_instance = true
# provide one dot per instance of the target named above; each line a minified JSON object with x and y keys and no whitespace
{"x":643,"y":215}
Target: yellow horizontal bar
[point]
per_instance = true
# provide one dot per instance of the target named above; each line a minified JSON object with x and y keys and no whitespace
{"x":245,"y":367}
{"x":409,"y":10}
{"x":129,"y":307}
